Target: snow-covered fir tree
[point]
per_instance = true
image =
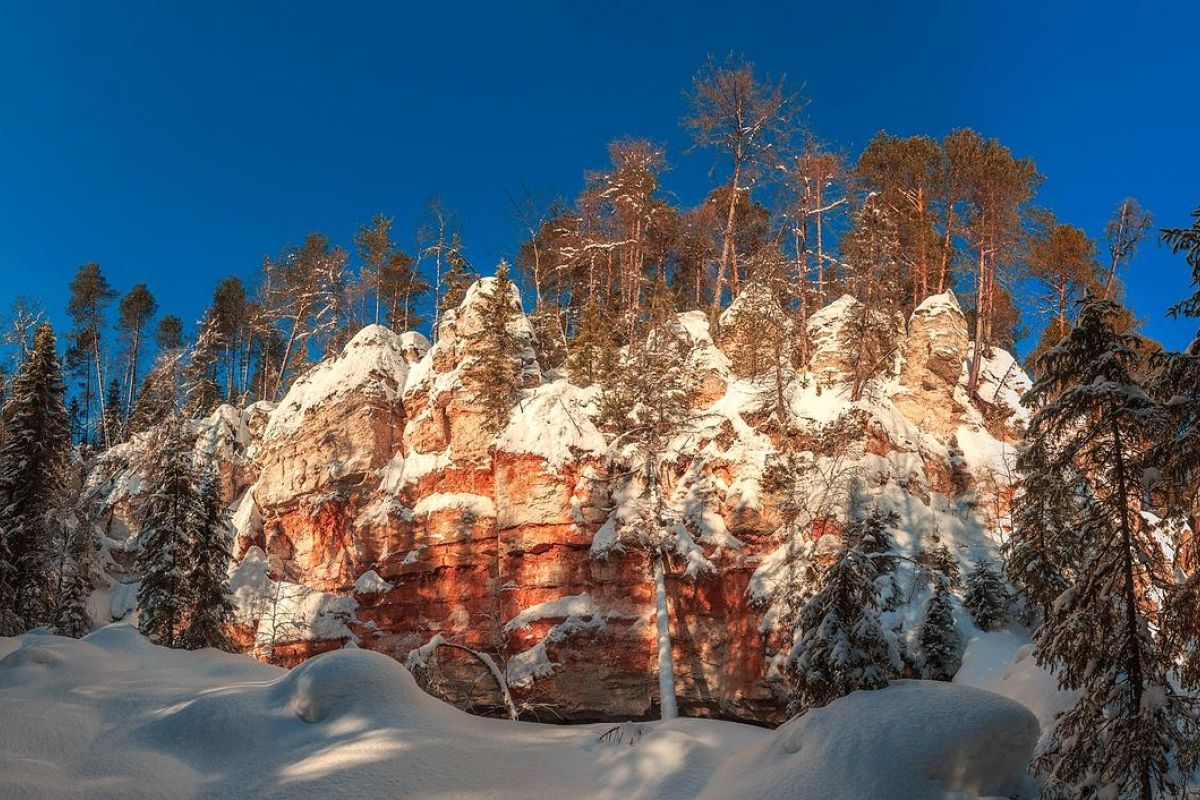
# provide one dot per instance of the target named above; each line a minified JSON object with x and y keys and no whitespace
{"x":940,"y":643}
{"x":165,"y":538}
{"x":206,"y":579}
{"x":840,"y":646}
{"x":78,"y":558}
{"x":34,"y":458}
{"x":1130,"y":733}
{"x":1039,"y":555}
{"x":158,"y":397}
{"x":496,"y":364}
{"x":592,"y":353}
{"x":986,"y":599}
{"x":937,"y":558}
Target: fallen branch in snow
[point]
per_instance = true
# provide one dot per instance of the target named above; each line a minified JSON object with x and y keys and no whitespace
{"x":419,"y":659}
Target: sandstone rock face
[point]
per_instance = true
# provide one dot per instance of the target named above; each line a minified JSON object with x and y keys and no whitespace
{"x":934,"y":352}
{"x":376,"y":465}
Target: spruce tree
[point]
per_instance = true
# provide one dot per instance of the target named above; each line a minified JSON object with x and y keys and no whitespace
{"x":840,"y":646}
{"x":941,"y":646}
{"x":987,"y":598}
{"x":1038,"y":556}
{"x":1129,"y":720}
{"x":75,"y":580}
{"x":457,"y":278}
{"x":206,"y":578}
{"x":34,"y":458}
{"x":939,"y":560}
{"x":496,"y":352}
{"x":592,"y":353}
{"x":114,"y":418}
{"x":166,"y":534}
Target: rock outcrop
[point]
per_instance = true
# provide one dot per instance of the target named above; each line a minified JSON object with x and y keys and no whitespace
{"x":371,"y":508}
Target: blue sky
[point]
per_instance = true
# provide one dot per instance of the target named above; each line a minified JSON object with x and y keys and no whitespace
{"x":178,"y":143}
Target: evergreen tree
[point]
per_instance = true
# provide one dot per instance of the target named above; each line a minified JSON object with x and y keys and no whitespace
{"x":91,"y":295}
{"x":592,"y":353}
{"x":75,"y":581}
{"x":458,"y":277}
{"x":158,"y":397}
{"x":840,"y":646}
{"x":1038,"y":557}
{"x":495,"y":352}
{"x":1129,"y":719}
{"x":113,"y":415}
{"x":941,"y":646}
{"x":134,"y":312}
{"x":987,"y":598}
{"x":33,"y":469}
{"x":941,"y":562}
{"x":166,"y":534}
{"x":206,"y":577}
{"x":200,"y":389}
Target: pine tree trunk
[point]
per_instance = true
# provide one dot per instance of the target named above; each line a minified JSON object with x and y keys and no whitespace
{"x":727,"y":245}
{"x":980,"y":303}
{"x":1133,"y":666}
{"x":666,"y":664}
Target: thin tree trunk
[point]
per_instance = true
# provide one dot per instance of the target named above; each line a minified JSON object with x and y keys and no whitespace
{"x":1129,"y":590}
{"x":980,"y":303}
{"x":727,"y":244}
{"x":666,"y":664}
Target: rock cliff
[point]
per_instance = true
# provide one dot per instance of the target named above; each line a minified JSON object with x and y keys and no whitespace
{"x":371,"y":509}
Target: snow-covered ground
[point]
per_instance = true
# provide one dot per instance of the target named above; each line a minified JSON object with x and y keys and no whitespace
{"x":112,"y":716}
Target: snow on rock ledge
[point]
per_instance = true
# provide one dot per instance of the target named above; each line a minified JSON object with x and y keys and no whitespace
{"x":373,"y":362}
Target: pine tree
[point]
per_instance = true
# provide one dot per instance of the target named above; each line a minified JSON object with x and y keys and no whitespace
{"x":113,"y":416}
{"x":987,"y":598}
{"x":1038,"y":556}
{"x":592,"y":353}
{"x":206,"y":578}
{"x":457,"y":278}
{"x":941,"y":562}
{"x":91,"y":295}
{"x":200,"y":390}
{"x":1129,"y":719}
{"x":158,"y":397}
{"x":75,"y":581}
{"x":33,"y":469}
{"x":941,"y":646}
{"x":134,"y":313}
{"x":840,"y":647}
{"x":166,"y":534}
{"x":495,"y":350}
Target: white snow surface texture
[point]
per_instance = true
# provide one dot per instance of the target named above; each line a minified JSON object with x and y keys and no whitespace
{"x":113,"y":716}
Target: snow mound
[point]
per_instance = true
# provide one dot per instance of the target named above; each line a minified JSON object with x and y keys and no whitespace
{"x":912,"y":740}
{"x":372,"y":363}
{"x":370,"y":583}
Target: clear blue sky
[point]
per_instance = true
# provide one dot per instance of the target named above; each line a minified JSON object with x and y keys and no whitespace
{"x":176,"y":143}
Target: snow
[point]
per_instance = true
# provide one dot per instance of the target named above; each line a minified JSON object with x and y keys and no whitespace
{"x":112,"y":716}
{"x":475,"y":505}
{"x":371,"y":363}
{"x":554,"y":421}
{"x":924,"y":739}
{"x":579,"y":605}
{"x":370,"y":583}
{"x":282,"y":611}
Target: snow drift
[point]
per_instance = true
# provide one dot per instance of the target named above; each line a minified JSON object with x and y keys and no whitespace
{"x":112,"y":716}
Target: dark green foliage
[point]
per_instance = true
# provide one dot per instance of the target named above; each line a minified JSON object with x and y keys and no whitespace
{"x":941,"y":646}
{"x":839,"y":646}
{"x":496,"y":352}
{"x":34,"y":458}
{"x":1096,"y":424}
{"x":593,"y":352}
{"x":987,"y":599}
{"x":206,"y":577}
{"x":166,"y":534}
